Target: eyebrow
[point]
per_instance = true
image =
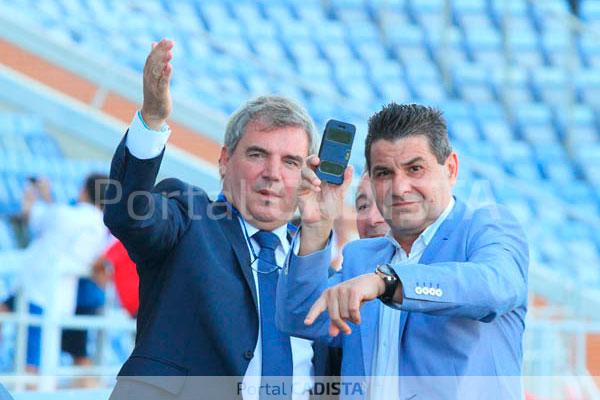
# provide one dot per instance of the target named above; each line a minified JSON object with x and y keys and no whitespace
{"x":256,"y":148}
{"x":360,"y":197}
{"x":414,"y":160}
{"x":298,"y":159}
{"x":266,"y":152}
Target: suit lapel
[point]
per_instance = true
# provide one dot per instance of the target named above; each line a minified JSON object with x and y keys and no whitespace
{"x":438,"y":240}
{"x":370,"y":314}
{"x":233,"y":231}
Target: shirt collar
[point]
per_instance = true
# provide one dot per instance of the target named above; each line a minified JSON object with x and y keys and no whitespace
{"x":429,"y":232}
{"x":281,"y":233}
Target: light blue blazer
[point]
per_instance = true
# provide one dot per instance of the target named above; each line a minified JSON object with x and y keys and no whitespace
{"x":471,"y":325}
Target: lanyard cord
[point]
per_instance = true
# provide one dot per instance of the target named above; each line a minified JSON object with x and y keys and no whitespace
{"x":290,"y":227}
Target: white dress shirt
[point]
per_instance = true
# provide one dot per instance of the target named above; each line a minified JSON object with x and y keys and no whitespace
{"x":144,"y":143}
{"x":386,"y":351}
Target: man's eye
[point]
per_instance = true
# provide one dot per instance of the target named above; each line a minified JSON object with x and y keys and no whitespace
{"x":382,"y":173}
{"x":362,"y":207}
{"x":416,"y":168}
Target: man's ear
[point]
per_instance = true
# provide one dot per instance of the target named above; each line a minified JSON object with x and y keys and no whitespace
{"x":223,"y":161}
{"x":452,"y":167}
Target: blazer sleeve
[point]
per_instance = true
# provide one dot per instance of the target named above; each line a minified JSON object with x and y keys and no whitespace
{"x":492,"y":281}
{"x":299,"y":286}
{"x":148,"y":219}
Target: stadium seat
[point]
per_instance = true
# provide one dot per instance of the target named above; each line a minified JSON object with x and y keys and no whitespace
{"x":536,"y":124}
{"x":485,"y":45}
{"x":511,"y":85}
{"x":587,"y":84}
{"x":472,"y":82}
{"x":551,"y":86}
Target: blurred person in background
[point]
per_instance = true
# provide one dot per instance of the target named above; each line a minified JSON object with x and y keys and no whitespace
{"x":208,"y":269}
{"x":65,"y":241}
{"x":451,"y":281}
{"x":124,"y":274}
{"x":369,"y":221}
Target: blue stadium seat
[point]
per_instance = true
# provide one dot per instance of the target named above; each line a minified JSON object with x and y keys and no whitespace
{"x":578,"y":125}
{"x":524,"y":170}
{"x":551,"y":86}
{"x":524,"y":47}
{"x":447,"y":45}
{"x":472,"y":82}
{"x":408,"y":42}
{"x":589,"y":50}
{"x":427,"y":12}
{"x":471,"y":13}
{"x":535,"y":122}
{"x":493,"y":122}
{"x":305,"y":50}
{"x":465,"y":131}
{"x":485,"y":45}
{"x":587,"y":83}
{"x":590,"y":10}
{"x":372,"y":53}
{"x":338,"y":53}
{"x":511,"y":85}
{"x":385,"y":71}
{"x":516,"y":151}
{"x":425,"y":81}
{"x":557,"y":46}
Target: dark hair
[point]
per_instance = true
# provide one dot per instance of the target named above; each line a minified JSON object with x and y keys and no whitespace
{"x":396,"y":121}
{"x":95,"y":186}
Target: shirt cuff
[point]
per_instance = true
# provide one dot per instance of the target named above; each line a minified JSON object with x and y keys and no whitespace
{"x":143,"y":142}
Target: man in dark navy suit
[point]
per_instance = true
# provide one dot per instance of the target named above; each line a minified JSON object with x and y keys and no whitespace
{"x":208,"y":269}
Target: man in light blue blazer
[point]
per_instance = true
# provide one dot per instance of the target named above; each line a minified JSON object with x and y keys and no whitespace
{"x":451,"y":281}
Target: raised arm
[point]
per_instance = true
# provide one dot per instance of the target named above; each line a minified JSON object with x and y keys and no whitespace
{"x":147,"y":219}
{"x":306,"y":274}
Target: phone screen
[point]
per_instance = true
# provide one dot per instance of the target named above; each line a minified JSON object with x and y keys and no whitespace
{"x":337,"y":135}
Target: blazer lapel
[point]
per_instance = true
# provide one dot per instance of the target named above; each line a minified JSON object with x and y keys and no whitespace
{"x":370,"y":314}
{"x":233,"y":231}
{"x":438,"y":240}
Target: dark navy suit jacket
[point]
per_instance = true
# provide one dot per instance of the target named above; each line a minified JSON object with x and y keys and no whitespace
{"x":198,"y":313}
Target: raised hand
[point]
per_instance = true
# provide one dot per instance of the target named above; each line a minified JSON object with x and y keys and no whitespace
{"x":320,"y":203}
{"x":157,"y":104}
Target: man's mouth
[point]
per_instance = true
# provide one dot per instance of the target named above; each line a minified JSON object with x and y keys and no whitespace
{"x":403,"y":203}
{"x":268,"y":193}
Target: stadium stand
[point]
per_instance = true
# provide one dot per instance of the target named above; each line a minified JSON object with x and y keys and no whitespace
{"x":518,"y":80}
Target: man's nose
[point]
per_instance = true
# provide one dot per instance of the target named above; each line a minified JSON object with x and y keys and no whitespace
{"x":272,"y":169}
{"x":374,"y":217}
{"x":401,"y":185}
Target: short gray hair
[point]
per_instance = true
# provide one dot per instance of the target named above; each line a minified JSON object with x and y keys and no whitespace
{"x":274,"y":112}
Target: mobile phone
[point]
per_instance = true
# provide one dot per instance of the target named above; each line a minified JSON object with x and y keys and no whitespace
{"x":335,"y":150}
